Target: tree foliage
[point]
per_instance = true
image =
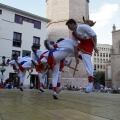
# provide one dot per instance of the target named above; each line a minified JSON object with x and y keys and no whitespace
{"x":100,"y":77}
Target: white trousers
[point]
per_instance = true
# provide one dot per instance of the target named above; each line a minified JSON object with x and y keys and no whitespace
{"x":55,"y":74}
{"x":22,"y":75}
{"x":27,"y":64}
{"x":42,"y":80}
{"x":59,"y":77}
{"x":58,"y":56}
{"x":87,"y":63}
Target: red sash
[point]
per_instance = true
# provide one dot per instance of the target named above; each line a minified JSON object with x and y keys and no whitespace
{"x":86,"y":46}
{"x":40,"y":66}
{"x":20,"y":67}
{"x":55,"y":46}
{"x":51,"y":61}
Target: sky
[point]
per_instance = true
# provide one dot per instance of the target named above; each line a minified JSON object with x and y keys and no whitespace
{"x":104,"y":12}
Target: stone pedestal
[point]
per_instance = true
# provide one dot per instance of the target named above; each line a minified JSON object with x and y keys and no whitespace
{"x":59,"y":11}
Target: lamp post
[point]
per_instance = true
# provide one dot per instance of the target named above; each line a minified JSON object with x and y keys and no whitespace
{"x":94,"y":73}
{"x":2,"y":69}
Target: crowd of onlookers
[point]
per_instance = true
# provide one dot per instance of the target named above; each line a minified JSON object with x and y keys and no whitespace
{"x":7,"y":85}
{"x":100,"y":88}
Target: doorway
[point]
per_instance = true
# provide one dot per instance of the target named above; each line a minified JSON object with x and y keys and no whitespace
{"x":35,"y":81}
{"x":15,"y":78}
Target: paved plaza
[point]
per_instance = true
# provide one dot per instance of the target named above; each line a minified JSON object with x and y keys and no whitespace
{"x":71,"y":105}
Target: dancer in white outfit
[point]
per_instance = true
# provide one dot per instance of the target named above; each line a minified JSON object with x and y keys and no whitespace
{"x":19,"y":65}
{"x":87,"y":42}
{"x":39,"y":59}
{"x":64,"y":49}
{"x":63,"y":63}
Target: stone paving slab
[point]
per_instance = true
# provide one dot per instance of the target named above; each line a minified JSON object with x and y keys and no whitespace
{"x":71,"y":105}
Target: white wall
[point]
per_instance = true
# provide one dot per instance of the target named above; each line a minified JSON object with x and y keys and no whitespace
{"x":8,"y":27}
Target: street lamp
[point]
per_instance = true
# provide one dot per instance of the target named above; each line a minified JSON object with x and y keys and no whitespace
{"x":3,"y":61}
{"x":2,"y":69}
{"x":94,"y":73}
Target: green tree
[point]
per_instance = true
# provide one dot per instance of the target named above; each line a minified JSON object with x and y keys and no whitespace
{"x":100,"y":77}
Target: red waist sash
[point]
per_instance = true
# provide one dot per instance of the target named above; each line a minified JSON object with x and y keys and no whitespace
{"x":40,"y":66}
{"x":51,"y":61}
{"x":86,"y":46}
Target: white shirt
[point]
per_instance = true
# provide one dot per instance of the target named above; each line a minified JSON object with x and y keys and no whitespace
{"x":13,"y":62}
{"x":84,"y":31}
{"x":67,"y":44}
{"x":39,"y":53}
{"x":26,"y":58}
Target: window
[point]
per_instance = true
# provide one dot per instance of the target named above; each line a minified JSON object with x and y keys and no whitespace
{"x":17,"y":36}
{"x":94,"y":54}
{"x":95,"y":60}
{"x":94,"y":66}
{"x":31,"y":21}
{"x":103,"y":54}
{"x":98,"y":60}
{"x":100,"y":54}
{"x":106,"y":54}
{"x":17,"y":39}
{"x":16,"y":52}
{"x":37,"y":24}
{"x":0,"y":11}
{"x":36,"y":41}
{"x":25,"y":19}
{"x":98,"y":66}
{"x":16,"y":79}
{"x":24,"y":52}
{"x":18,"y":19}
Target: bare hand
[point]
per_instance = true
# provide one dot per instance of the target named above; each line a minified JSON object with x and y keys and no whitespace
{"x":96,"y":50}
{"x":77,"y":61}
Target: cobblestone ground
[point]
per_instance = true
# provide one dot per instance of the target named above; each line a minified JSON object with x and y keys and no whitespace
{"x":71,"y":105}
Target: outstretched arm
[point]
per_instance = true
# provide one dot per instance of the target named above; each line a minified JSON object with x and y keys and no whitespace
{"x":76,"y":55}
{"x":48,"y":45}
{"x":76,"y":58}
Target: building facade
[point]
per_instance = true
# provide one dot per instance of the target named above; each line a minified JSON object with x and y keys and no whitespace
{"x":59,"y":11}
{"x":108,"y":76}
{"x":115,"y":58}
{"x":100,"y":59}
{"x":19,"y":30}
